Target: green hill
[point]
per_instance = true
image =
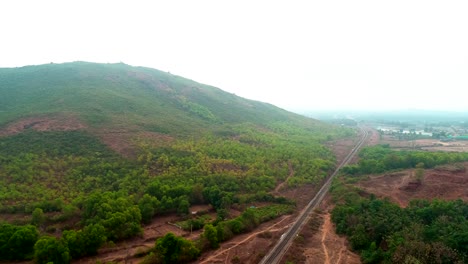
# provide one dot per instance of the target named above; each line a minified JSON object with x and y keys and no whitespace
{"x":119,"y":95}
{"x":93,"y":151}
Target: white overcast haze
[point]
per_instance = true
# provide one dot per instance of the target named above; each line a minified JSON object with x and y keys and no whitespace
{"x":298,"y":55}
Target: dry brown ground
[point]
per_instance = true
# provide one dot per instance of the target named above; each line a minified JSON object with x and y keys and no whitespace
{"x":374,"y":137}
{"x":56,"y":122}
{"x":125,"y":141}
{"x":446,"y":182}
{"x":341,"y":148}
{"x":318,"y":242}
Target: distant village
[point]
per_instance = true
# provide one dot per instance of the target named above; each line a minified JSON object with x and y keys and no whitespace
{"x":444,"y":133}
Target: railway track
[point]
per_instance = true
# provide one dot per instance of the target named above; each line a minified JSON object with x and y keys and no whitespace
{"x":275,"y":255}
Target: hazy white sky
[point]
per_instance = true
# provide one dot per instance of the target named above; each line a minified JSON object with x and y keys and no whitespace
{"x":294,"y":54}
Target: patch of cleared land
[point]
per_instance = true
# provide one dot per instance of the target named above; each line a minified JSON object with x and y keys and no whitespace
{"x":447,"y":182}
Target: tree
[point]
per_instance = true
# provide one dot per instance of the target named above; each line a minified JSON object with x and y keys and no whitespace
{"x":38,"y":217}
{"x":419,"y":174}
{"x":85,"y":242}
{"x":173,"y":249}
{"x":148,"y":206}
{"x":6,"y":232}
{"x":183,"y":206}
{"x":114,"y":211}
{"x":221,"y":214}
{"x":94,"y":237}
{"x":75,"y":243}
{"x":211,"y":235}
{"x":236,"y":226}
{"x":49,"y":249}
{"x":21,"y":243}
{"x":214,"y":196}
{"x":197,"y":194}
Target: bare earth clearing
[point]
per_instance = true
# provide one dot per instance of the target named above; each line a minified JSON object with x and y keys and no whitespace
{"x":124,"y":141}
{"x":448,"y":182}
{"x":43,"y":123}
{"x":318,"y":242}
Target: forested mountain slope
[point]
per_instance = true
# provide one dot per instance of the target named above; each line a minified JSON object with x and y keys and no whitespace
{"x":90,"y":152}
{"x":118,"y":94}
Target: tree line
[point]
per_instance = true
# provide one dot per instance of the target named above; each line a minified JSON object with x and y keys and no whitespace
{"x":381,"y":158}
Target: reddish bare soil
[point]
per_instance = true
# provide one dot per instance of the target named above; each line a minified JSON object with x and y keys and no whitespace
{"x":125,"y":141}
{"x":318,"y":243}
{"x":301,"y":195}
{"x":446,"y":182}
{"x":334,"y":249}
{"x":374,"y":137}
{"x":341,"y":148}
{"x":44,"y":123}
{"x":117,"y":140}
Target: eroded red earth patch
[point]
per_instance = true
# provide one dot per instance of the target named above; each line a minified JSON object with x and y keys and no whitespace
{"x":448,"y":182}
{"x":44,"y":123}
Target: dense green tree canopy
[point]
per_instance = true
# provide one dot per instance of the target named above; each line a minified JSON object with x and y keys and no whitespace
{"x":424,"y":232}
{"x":17,"y":242}
{"x":175,"y":249}
{"x":49,"y":249}
{"x":380,"y":158}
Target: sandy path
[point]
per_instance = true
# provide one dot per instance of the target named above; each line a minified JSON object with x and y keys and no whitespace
{"x":325,"y":229}
{"x":325,"y":246}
